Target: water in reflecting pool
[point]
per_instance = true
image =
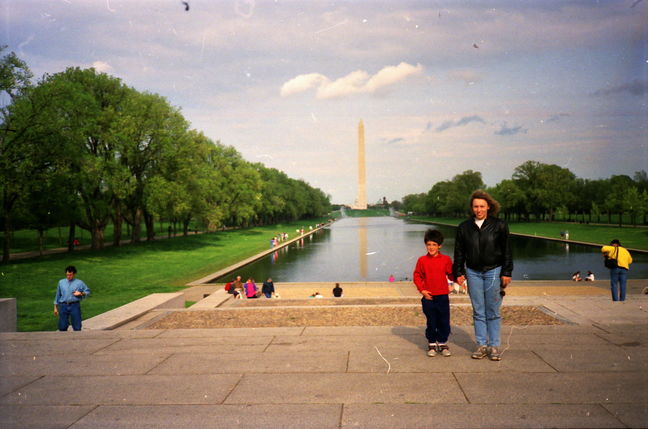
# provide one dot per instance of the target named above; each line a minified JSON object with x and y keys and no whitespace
{"x":371,"y":249}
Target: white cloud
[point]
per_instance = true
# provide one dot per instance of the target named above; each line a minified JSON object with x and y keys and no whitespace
{"x":102,"y":66}
{"x":392,"y":74}
{"x":352,"y":83}
{"x":357,"y":82}
{"x":302,"y":83}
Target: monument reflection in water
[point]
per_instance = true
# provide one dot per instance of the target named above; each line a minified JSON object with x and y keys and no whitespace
{"x":372,"y":249}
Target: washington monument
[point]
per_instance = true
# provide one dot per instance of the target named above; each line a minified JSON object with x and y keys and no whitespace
{"x":361,"y":201}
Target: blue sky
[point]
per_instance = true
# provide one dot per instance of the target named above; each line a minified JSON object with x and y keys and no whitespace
{"x":441,"y":86}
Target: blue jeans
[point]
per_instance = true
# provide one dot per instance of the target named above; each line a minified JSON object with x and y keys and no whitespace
{"x":618,"y":276}
{"x":484,"y":291}
{"x":67,"y":312}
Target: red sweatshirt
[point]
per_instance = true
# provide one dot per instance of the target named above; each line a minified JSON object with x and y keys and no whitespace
{"x":430,"y":273}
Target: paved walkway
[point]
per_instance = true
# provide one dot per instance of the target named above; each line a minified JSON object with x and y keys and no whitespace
{"x":591,"y":372}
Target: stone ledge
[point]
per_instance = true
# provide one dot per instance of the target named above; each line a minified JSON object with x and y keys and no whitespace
{"x":131,"y":311}
{"x":8,"y":314}
{"x":212,"y":301}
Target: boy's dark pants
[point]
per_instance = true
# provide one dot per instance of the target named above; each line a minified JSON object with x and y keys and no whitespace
{"x":437,"y":312}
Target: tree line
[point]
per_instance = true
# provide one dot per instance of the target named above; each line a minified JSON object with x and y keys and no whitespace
{"x":542,"y":192}
{"x":81,"y":148}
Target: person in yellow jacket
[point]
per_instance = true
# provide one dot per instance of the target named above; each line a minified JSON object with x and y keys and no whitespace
{"x":618,"y":274}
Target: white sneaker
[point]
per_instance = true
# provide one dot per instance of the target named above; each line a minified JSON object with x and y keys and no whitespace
{"x":445,"y":351}
{"x":432,"y":350}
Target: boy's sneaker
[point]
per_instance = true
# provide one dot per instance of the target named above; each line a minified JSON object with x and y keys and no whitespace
{"x":494,"y":353}
{"x":432,"y":350}
{"x":480,"y":353}
{"x":445,"y":351}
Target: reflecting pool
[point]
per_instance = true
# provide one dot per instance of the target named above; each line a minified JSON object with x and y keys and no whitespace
{"x":372,"y":249}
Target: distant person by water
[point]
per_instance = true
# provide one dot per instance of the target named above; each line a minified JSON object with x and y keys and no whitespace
{"x":619,"y":260}
{"x":268,"y":288}
{"x":250,"y":289}
{"x":337,"y":291}
{"x":237,"y":285}
{"x":590,"y":277}
{"x":576,"y":276}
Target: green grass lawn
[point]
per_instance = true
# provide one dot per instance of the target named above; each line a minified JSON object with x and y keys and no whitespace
{"x":367,"y":213}
{"x":631,"y":237}
{"x":117,"y":276}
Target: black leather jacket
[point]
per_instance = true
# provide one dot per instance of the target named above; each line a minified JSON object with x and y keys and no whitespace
{"x":482,"y":249}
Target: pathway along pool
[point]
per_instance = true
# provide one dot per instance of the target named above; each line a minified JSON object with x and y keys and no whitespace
{"x":373,"y":248}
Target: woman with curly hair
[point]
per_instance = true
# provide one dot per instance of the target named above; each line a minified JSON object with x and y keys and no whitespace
{"x":483,"y":257}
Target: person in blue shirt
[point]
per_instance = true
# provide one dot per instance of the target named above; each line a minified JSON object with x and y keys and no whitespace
{"x":67,"y":302}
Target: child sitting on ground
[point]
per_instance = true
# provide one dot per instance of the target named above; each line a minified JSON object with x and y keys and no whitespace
{"x":431,"y":276}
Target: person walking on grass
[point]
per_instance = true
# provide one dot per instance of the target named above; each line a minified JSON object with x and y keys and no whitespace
{"x":67,"y":301}
{"x":621,"y":260}
{"x":483,"y":256}
{"x":431,"y":275}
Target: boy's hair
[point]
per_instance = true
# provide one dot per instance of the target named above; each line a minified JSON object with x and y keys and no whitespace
{"x":433,"y":235}
{"x":70,"y":269}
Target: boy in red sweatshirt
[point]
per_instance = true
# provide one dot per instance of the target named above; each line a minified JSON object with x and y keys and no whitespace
{"x":431,"y":276}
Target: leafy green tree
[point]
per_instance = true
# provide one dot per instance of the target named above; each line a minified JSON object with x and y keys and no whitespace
{"x":183,"y":188}
{"x":206,"y":186}
{"x":644,"y":204}
{"x":614,"y":201}
{"x":18,"y":153}
{"x":88,"y":108}
{"x":641,"y":180}
{"x":274,"y":195}
{"x":464,"y":185}
{"x":547,"y":187}
{"x":436,"y":200}
{"x":510,"y":197}
{"x":467,"y":183}
{"x":590,"y":197}
{"x":527,"y":177}
{"x":147,"y":128}
{"x":632,"y":203}
{"x":451,"y":198}
{"x":414,"y":203}
{"x":237,"y":189}
{"x":48,"y":203}
{"x":595,"y":211}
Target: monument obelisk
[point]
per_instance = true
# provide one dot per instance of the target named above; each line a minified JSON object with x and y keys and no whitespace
{"x":361,"y":201}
